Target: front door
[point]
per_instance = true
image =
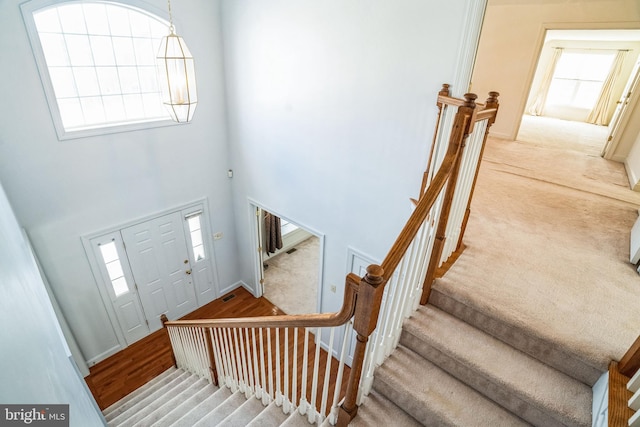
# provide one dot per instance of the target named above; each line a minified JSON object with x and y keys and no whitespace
{"x":159,"y":260}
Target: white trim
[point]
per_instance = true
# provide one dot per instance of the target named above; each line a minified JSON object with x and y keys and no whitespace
{"x":113,"y":350}
{"x":256,"y":259}
{"x":468,"y":50}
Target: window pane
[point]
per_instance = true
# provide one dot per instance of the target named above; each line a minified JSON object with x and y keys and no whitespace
{"x":102,"y":50}
{"x":194,"y":223}
{"x":55,"y":49}
{"x":114,"y":108}
{"x":196,"y":238}
{"x":109,"y":252}
{"x":79,"y":50}
{"x":47,"y":21}
{"x":144,"y":51}
{"x":119,"y":21}
{"x":139,"y":25}
{"x":72,"y":19}
{"x":63,"y":82}
{"x":120,"y":286}
{"x":148,"y":79}
{"x":70,"y":112}
{"x":86,"y":81}
{"x":198,"y":252}
{"x":93,"y":110}
{"x":123,"y":48}
{"x":129,"y":80}
{"x":587,"y":94}
{"x":561,"y":92}
{"x":109,"y":80}
{"x":133,"y":106}
{"x":95,"y":15}
{"x":114,"y":269}
{"x":153,"y":105}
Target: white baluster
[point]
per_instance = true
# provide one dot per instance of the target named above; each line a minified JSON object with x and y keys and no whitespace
{"x":216,"y":357}
{"x":327,"y":378}
{"x":278,"y":388}
{"x":287,"y":405}
{"x":304,"y":404}
{"x":249,"y":364}
{"x":256,"y":373}
{"x":333,"y":413}
{"x":270,"y":362}
{"x":294,"y":379}
{"x":311,"y":415}
{"x":241,"y":368}
{"x":231,"y":358}
{"x":266,"y":399}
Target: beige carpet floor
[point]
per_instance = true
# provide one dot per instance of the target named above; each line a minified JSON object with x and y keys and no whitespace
{"x":548,"y":241}
{"x":291,"y":279}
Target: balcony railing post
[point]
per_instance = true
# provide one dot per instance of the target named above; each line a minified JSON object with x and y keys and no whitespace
{"x":462,"y":127}
{"x":164,"y":319}
{"x":365,"y":320}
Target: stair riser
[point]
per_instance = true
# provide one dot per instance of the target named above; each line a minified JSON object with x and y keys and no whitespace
{"x":544,"y":351}
{"x":507,"y":398}
{"x":413,"y":407}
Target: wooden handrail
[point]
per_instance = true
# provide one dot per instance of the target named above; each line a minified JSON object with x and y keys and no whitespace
{"x":630,"y":362}
{"x":284,"y":321}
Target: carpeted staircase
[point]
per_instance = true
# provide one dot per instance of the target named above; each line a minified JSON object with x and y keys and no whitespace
{"x":455,"y":366}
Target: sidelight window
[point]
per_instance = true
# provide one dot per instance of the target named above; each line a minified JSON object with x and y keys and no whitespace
{"x":114,"y":268}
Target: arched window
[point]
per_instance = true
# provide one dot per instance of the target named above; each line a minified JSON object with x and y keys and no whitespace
{"x":97,"y":64}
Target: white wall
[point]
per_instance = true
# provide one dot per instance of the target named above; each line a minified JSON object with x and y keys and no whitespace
{"x":61,"y":190}
{"x":347,"y":89}
{"x":632,"y":165}
{"x":36,"y":368}
{"x":511,"y":39}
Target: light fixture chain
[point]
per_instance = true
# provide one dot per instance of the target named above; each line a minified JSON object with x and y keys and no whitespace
{"x":171,"y":28}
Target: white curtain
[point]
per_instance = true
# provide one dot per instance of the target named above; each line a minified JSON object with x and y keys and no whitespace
{"x":540,"y":98}
{"x":599,"y":115}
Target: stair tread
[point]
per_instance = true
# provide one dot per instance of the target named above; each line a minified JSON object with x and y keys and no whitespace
{"x":244,"y":413}
{"x":154,"y":413}
{"x":272,"y":415}
{"x":498,"y":370}
{"x":223,"y":410}
{"x":186,"y":406}
{"x":203,"y":409}
{"x":442,"y":400}
{"x":157,"y":392}
{"x":538,"y":343}
{"x":295,"y":419}
{"x":378,"y":410}
{"x":140,"y":393}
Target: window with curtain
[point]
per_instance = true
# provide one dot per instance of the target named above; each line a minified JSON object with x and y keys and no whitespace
{"x":97,"y":64}
{"x":578,"y":78}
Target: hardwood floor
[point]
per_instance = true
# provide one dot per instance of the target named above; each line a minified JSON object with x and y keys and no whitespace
{"x":129,"y":369}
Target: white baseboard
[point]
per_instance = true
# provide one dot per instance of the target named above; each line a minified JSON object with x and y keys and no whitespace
{"x":113,"y":350}
{"x":500,"y":135}
{"x":236,"y":285}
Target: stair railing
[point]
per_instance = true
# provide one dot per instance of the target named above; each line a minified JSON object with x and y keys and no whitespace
{"x":624,"y":389}
{"x":260,"y":356}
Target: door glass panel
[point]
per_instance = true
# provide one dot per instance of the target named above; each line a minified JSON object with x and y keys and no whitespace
{"x":196,"y":237}
{"x":114,"y":268}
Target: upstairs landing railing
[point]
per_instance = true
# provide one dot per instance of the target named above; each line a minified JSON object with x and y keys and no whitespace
{"x":298,"y":361}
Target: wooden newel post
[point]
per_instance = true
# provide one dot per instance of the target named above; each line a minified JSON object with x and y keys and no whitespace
{"x":164,"y":320}
{"x":365,"y":320}
{"x":462,"y":127}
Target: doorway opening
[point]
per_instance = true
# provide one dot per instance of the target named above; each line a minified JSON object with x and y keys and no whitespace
{"x":289,"y":262}
{"x":580,"y":90}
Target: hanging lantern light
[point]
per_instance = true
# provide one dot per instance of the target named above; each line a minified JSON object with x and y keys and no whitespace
{"x":176,"y":76}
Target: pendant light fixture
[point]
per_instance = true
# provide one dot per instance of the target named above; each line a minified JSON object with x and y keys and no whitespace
{"x":176,"y":75}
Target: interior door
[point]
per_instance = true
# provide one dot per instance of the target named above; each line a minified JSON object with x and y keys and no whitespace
{"x":159,"y":260}
{"x":619,"y":119}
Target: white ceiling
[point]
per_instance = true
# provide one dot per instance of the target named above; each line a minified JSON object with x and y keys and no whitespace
{"x":594,"y":35}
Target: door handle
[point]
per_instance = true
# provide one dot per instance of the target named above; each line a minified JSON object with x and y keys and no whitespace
{"x":188,"y":271}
